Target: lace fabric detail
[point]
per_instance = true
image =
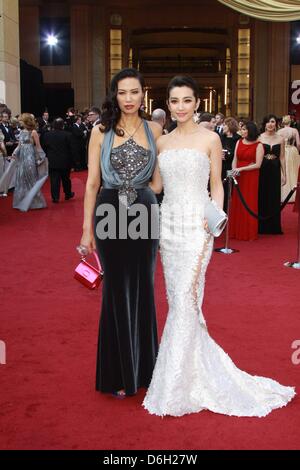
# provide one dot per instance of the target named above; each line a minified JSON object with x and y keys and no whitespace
{"x":192,"y":372}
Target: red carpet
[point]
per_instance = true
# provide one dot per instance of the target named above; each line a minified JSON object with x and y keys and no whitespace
{"x":49,"y":323}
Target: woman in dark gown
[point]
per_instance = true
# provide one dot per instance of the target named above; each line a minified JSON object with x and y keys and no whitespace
{"x":229,"y":139}
{"x":272,"y":175}
{"x":127,"y":346}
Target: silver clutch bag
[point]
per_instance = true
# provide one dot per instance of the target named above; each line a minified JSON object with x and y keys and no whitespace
{"x":216,"y":218}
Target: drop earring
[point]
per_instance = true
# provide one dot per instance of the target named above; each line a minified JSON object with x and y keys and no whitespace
{"x":196,"y":117}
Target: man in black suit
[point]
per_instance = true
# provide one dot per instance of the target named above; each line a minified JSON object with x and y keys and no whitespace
{"x":57,"y":145}
{"x":79,"y":138}
{"x":219,"y":123}
{"x":93,"y":118}
{"x":43,"y":123}
{"x":8,"y":132}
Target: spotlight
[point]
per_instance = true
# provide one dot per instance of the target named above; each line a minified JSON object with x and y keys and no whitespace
{"x":298,"y":40}
{"x":52,"y":40}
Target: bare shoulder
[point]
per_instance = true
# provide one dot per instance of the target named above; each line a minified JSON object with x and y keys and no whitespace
{"x":162,"y":141}
{"x":98,"y":133}
{"x":155,"y":128}
{"x":34,"y":133}
{"x":211,"y":137}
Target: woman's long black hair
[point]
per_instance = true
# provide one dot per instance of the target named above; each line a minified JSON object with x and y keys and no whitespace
{"x":111,"y":112}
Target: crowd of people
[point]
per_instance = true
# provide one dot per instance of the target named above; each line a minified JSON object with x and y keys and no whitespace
{"x":28,"y":145}
{"x":265,"y":161}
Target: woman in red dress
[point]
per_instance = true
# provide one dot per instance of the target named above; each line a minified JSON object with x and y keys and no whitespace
{"x":247,"y":160}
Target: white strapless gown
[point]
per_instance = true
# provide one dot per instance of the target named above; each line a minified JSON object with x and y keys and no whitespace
{"x":192,"y":372}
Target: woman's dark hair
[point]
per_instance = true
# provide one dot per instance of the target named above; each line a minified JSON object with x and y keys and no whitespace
{"x":266,"y":119}
{"x":252,"y":129}
{"x":111,"y":112}
{"x":180,"y":81}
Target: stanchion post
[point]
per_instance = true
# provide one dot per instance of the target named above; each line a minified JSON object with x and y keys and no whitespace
{"x":296,"y":264}
{"x":226,"y":250}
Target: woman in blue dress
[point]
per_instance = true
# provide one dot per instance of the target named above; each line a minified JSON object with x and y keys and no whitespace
{"x":122,"y":159}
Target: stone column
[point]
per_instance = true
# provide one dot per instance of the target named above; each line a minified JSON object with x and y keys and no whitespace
{"x":98,"y":55}
{"x":261,"y":72}
{"x":81,"y":54}
{"x":279,"y":68}
{"x":271,"y":69}
{"x":10,"y":55}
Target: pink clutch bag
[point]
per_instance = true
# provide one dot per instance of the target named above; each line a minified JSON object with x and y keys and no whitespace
{"x":87,"y":274}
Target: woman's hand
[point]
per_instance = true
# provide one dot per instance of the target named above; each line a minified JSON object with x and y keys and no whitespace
{"x":235,"y":172}
{"x":283,"y":180}
{"x":88,"y":241}
{"x":205,"y":224}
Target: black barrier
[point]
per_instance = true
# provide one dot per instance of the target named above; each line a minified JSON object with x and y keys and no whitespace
{"x":226,"y":249}
{"x":257,"y":216}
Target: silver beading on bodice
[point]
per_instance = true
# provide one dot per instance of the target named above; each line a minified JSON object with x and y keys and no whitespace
{"x":129,"y":159}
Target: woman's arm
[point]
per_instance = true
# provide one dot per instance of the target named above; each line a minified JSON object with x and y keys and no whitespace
{"x":92,"y":188}
{"x":3,"y":149}
{"x":234,"y":161}
{"x":156,"y":183}
{"x":36,"y":140}
{"x":216,"y":185}
{"x":258,"y":160}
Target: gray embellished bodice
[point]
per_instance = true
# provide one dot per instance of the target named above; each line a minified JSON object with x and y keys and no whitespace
{"x":129,"y":159}
{"x":25,"y":137}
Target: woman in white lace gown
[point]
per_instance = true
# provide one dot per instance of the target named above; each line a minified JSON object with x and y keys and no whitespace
{"x":192,"y":372}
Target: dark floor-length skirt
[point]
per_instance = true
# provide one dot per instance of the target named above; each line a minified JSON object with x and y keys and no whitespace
{"x":127,"y":346}
{"x":269,"y":197}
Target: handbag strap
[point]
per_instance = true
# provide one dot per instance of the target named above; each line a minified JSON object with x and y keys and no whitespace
{"x":83,"y":258}
{"x":97,"y":260}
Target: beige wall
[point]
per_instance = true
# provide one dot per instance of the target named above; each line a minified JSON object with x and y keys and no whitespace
{"x":10,"y":55}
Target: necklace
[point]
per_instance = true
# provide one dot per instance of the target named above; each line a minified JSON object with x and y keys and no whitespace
{"x":128,"y":133}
